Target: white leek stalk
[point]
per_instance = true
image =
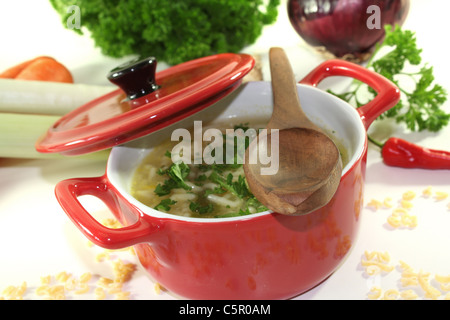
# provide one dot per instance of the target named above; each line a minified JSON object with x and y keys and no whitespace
{"x":19,"y":133}
{"x":29,"y":108}
{"x":45,"y":97}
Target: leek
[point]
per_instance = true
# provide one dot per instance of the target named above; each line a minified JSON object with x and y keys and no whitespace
{"x":19,"y":133}
{"x":29,"y":108}
{"x":45,"y":97}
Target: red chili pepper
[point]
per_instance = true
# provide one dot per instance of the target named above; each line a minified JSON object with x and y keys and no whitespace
{"x":401,"y":153}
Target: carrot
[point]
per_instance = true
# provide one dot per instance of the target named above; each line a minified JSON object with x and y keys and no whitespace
{"x":39,"y":69}
{"x":13,"y":72}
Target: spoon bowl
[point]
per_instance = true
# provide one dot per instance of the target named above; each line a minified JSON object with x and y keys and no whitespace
{"x":309,"y":163}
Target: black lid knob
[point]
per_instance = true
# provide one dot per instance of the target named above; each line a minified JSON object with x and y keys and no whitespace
{"x":136,"y":78}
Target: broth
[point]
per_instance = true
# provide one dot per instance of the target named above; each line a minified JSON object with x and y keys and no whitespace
{"x":194,"y":188}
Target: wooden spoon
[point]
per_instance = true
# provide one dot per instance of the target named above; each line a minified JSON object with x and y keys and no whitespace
{"x":309,"y":163}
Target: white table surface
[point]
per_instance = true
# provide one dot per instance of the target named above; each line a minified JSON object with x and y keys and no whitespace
{"x":37,"y":238}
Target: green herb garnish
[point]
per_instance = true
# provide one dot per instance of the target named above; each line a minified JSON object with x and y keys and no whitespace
{"x":201,"y":209}
{"x":420,"y":106}
{"x":237,"y":187}
{"x":165,"y":204}
{"x":174,"y":31}
{"x":177,"y":177}
{"x":177,"y":174}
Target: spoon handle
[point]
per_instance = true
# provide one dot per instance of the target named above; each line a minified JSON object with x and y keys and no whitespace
{"x":287,"y":110}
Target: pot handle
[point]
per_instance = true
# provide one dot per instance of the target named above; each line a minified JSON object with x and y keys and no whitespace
{"x":67,"y":193}
{"x":387,"y":97}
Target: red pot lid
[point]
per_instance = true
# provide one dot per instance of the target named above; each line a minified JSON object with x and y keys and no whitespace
{"x":145,"y":102}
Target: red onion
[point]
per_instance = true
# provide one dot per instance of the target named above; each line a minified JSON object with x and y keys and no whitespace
{"x":348,"y":29}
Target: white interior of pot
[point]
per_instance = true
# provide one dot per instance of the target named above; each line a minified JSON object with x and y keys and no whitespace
{"x":252,"y":100}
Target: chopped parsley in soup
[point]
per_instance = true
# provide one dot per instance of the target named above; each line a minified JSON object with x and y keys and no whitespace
{"x":197,"y":189}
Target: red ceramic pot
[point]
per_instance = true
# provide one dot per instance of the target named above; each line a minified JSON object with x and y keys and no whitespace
{"x":260,"y":256}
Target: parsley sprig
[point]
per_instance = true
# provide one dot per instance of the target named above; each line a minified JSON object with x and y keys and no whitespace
{"x":420,"y":106}
{"x":177,"y":174}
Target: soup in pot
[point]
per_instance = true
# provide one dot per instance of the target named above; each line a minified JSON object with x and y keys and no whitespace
{"x":203,"y":179}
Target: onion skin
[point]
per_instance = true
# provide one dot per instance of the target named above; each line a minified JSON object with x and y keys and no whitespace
{"x":340,"y":26}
